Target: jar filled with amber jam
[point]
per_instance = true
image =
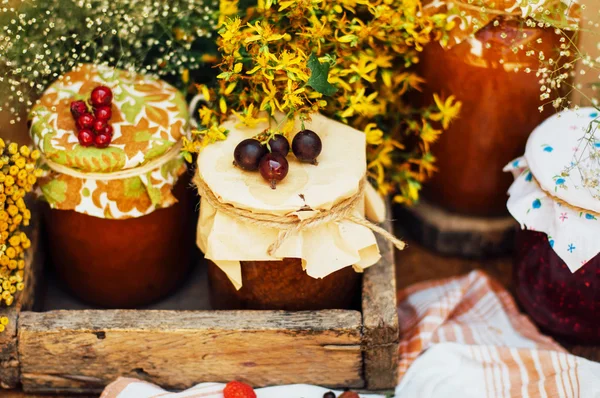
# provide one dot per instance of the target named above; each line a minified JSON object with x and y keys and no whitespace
{"x":491,"y":70}
{"x":313,"y":268}
{"x":117,"y":222}
{"x":557,"y":254}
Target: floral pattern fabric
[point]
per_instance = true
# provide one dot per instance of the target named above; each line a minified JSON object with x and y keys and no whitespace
{"x":551,"y":150}
{"x":149,"y":117}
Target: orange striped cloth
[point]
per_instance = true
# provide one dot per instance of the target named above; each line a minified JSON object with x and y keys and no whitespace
{"x":464,"y":337}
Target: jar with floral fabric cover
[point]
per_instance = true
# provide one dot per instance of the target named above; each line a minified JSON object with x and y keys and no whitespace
{"x":555,"y":198}
{"x":490,"y":63}
{"x":301,"y":246}
{"x":117,"y":219}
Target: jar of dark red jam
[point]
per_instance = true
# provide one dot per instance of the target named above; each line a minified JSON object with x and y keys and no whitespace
{"x":563,"y":303}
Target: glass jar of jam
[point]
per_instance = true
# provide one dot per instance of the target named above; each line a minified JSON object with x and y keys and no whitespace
{"x":118,"y":218}
{"x":557,"y":254}
{"x":241,"y":218}
{"x":500,"y":96}
{"x":563,"y":303}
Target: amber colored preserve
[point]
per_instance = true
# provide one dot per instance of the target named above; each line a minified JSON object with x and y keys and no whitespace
{"x":283,"y":285}
{"x":562,"y":303}
{"x":500,"y":102}
{"x":123,"y":263}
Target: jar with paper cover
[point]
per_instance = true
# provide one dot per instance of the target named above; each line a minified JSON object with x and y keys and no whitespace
{"x":117,"y":222}
{"x":556,"y":200}
{"x":299,"y":243}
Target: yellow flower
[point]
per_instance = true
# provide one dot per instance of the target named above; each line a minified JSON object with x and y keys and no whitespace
{"x":429,"y":135}
{"x":374,"y":135}
{"x":270,"y":101}
{"x":248,"y":117}
{"x":226,"y":9}
{"x":448,"y":110}
{"x":291,"y":98}
{"x":264,"y":33}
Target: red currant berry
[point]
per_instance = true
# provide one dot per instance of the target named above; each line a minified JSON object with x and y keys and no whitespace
{"x":102,"y":140}
{"x":109,"y":130}
{"x":307,"y":145}
{"x":78,"y":108}
{"x":247,"y":154}
{"x":279,"y":144}
{"x":99,"y":126}
{"x":85,"y":121}
{"x":85,"y":137}
{"x":101,"y":95}
{"x":103,"y":112}
{"x":273,"y":167}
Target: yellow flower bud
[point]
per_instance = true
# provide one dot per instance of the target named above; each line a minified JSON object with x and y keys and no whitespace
{"x":12,"y":210}
{"x":11,"y":252}
{"x":3,"y":321}
{"x":13,"y":170}
{"x":12,"y":264}
{"x":2,"y":328}
{"x":13,"y":148}
{"x":20,"y":163}
{"x":9,"y":300}
{"x":26,"y":244}
{"x":12,"y":290}
{"x":35,"y":155}
{"x":20,"y":264}
{"x":31,"y":179}
{"x":25,"y":151}
{"x":20,"y":286}
{"x":9,"y":181}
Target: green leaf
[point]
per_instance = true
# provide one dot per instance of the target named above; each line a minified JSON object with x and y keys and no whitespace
{"x":318,"y":76}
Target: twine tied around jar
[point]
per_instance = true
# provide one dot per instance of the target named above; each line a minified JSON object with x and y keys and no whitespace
{"x":152,"y":165}
{"x":290,"y":224}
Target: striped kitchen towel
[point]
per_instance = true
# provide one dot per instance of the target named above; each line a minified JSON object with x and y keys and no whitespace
{"x":464,"y":337}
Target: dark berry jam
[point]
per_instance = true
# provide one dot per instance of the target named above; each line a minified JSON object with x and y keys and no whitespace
{"x":562,"y":303}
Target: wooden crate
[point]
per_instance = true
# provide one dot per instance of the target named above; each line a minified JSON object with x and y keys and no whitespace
{"x":65,"y":347}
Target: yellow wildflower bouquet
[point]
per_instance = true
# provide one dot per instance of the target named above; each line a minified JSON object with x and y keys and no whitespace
{"x":283,"y":60}
{"x":18,"y":175}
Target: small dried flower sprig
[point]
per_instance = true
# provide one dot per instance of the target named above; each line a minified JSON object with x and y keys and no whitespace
{"x":41,"y":40}
{"x":286,"y":59}
{"x":18,"y":174}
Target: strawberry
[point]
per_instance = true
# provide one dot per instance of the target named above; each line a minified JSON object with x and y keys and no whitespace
{"x":236,"y":389}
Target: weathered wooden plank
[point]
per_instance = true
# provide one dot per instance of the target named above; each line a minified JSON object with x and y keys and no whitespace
{"x":380,"y":319}
{"x":9,"y":360}
{"x":82,"y":351}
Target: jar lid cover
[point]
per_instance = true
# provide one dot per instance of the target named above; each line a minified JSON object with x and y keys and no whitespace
{"x":342,"y":166}
{"x":550,"y":193}
{"x":149,"y":117}
{"x":560,"y":153}
{"x":307,"y":191}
